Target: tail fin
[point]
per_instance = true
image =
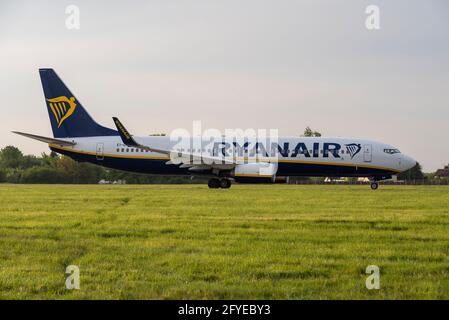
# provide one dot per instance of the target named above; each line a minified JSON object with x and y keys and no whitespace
{"x":68,"y":118}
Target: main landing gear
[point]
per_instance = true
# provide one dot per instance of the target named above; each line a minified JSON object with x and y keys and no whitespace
{"x":374,"y":185}
{"x":215,"y":183}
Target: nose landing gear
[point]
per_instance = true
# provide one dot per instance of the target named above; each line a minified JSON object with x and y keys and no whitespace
{"x":375,"y":180}
{"x":215,"y":183}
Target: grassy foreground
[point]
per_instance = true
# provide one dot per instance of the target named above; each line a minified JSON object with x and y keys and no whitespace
{"x":250,"y":242}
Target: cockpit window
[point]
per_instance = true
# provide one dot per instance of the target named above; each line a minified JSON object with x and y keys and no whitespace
{"x":391,"y":151}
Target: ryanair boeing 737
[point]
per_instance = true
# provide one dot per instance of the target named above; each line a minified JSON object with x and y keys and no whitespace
{"x":222,"y":159}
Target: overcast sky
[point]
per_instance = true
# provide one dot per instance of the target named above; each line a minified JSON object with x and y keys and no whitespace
{"x":159,"y":65}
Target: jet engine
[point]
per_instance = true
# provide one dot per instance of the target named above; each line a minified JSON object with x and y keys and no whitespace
{"x":256,"y":172}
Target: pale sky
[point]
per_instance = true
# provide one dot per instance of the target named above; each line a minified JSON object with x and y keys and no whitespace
{"x":159,"y":65}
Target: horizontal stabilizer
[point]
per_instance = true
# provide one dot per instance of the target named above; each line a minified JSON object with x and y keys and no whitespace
{"x":45,"y":139}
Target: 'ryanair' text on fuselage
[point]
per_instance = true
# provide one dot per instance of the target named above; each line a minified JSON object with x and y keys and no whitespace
{"x":315,"y":150}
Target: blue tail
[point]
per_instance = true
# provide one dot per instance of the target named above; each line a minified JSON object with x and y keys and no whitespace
{"x":68,"y":118}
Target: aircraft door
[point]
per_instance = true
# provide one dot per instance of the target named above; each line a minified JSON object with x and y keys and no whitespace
{"x":367,"y":153}
{"x":100,"y":151}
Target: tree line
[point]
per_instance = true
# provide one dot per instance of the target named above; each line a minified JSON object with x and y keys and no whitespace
{"x":15,"y":167}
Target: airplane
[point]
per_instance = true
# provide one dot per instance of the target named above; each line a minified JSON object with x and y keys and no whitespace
{"x":221,"y":159}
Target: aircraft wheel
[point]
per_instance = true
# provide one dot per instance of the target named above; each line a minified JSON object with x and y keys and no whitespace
{"x":374,"y":185}
{"x":225,"y":183}
{"x":214,"y":183}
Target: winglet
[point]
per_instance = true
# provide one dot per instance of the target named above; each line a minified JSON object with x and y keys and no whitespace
{"x":128,"y":139}
{"x":124,"y":134}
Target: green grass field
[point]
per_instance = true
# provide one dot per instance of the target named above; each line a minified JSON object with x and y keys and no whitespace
{"x":249,"y":242}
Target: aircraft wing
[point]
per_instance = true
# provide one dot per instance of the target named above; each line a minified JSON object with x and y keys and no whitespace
{"x":183,"y":158}
{"x":46,"y":139}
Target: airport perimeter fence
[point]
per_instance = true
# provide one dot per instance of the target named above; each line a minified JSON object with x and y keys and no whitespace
{"x":427,"y":182}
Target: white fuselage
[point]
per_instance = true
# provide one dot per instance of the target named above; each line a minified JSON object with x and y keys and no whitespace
{"x":314,"y":156}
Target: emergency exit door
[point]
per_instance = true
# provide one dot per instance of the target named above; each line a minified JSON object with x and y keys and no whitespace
{"x":100,"y":151}
{"x":367,"y":153}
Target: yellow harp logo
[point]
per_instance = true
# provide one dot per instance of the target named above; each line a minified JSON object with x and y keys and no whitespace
{"x":62,"y":107}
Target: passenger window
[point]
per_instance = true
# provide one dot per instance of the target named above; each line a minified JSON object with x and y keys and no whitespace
{"x":118,"y":149}
{"x":127,"y":150}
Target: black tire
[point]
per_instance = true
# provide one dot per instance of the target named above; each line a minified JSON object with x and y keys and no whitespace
{"x":374,"y":185}
{"x":225,"y":183}
{"x":214,"y":183}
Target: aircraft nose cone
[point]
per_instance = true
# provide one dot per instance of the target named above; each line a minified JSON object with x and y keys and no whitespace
{"x":408,"y":162}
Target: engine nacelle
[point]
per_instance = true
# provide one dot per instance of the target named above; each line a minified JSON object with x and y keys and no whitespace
{"x":255,"y":171}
